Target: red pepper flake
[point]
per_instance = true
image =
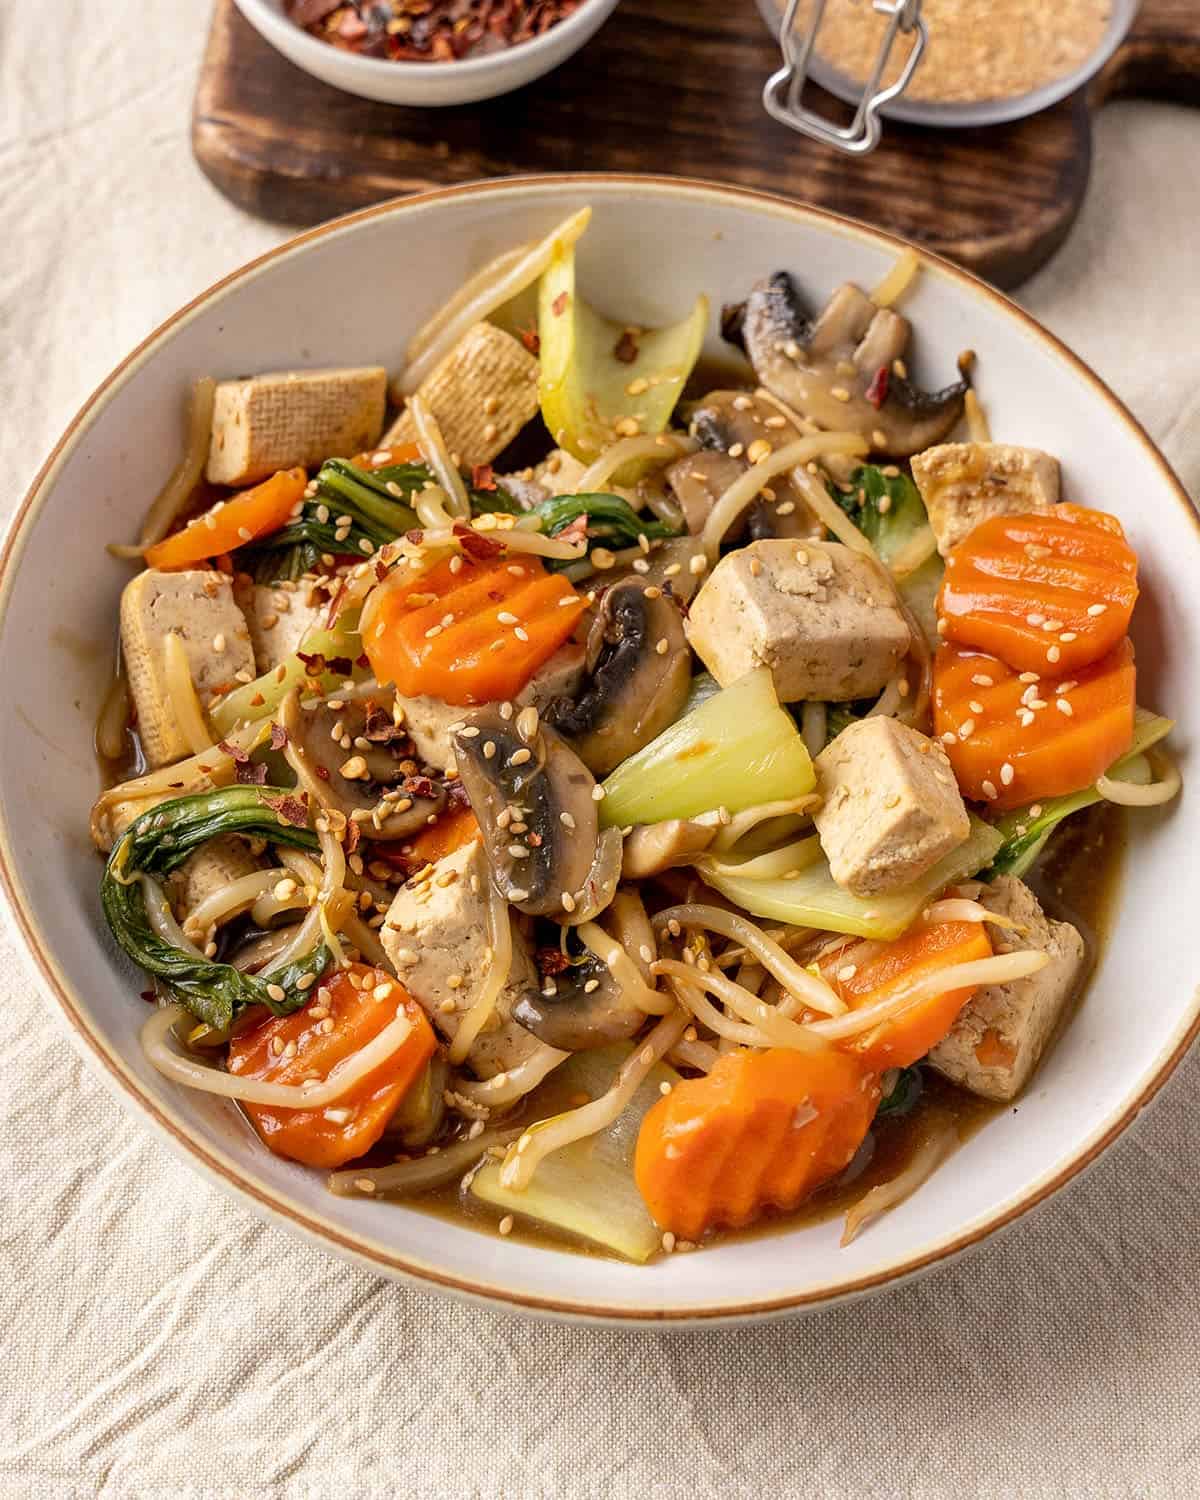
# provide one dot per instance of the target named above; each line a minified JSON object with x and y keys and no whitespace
{"x":252,"y":775}
{"x":878,"y":389}
{"x":257,"y":701}
{"x":559,"y":305}
{"x":322,"y":773}
{"x":353,"y":836}
{"x":626,"y":347}
{"x":534,"y":840}
{"x":529,"y":337}
{"x":551,"y":961}
{"x":416,"y":536}
{"x":149,"y":997}
{"x":318,"y":664}
{"x":240,"y":756}
{"x":381,"y":572}
{"x":457,"y":794}
{"x":419,"y":786}
{"x":482,"y":477}
{"x":574,"y":531}
{"x":292,"y":810}
{"x":279,"y":736}
{"x":476,"y":545}
{"x":362,"y":660}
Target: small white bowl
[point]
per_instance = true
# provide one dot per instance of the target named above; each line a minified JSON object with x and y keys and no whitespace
{"x":653,"y":244}
{"x":429,"y":84}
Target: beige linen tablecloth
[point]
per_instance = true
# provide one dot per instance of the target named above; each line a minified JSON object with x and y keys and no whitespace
{"x":157,"y":1340}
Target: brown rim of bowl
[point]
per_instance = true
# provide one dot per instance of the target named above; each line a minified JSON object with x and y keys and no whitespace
{"x":380,"y":1257}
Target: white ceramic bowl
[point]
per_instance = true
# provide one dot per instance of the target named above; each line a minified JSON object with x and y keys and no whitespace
{"x":653,"y":244}
{"x":426,"y":84}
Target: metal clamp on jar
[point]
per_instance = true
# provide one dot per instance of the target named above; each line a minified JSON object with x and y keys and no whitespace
{"x":784,"y":90}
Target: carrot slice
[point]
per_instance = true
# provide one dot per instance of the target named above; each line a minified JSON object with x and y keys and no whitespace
{"x":384,"y":457}
{"x":473,"y":635}
{"x":924,"y":948}
{"x":456,"y":828}
{"x":762,"y":1130}
{"x":232,"y":523}
{"x":1012,"y":742}
{"x":358,"y":1007}
{"x":1045,"y":593}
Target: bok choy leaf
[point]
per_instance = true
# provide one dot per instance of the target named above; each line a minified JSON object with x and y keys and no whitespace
{"x":598,"y":377}
{"x":1025,"y":836}
{"x":588,"y":1188}
{"x":806,"y":894}
{"x":159,"y":842}
{"x":738,"y":749}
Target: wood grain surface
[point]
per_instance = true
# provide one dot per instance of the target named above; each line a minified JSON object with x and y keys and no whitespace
{"x":673,"y":86}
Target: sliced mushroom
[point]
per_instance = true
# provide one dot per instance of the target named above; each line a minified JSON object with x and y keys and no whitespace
{"x":840,"y":371}
{"x":582,"y":1006}
{"x":639,"y":670}
{"x":359,"y":773}
{"x":533,"y":797}
{"x":733,"y":428}
{"x":654,"y":847}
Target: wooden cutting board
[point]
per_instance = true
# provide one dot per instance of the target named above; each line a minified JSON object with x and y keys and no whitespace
{"x":674,"y":86}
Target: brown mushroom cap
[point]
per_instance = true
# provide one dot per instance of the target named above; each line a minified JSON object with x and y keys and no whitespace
{"x":533,"y":797}
{"x":839,"y":370}
{"x":579,"y":1007}
{"x":355,"y":775}
{"x":639,"y":671}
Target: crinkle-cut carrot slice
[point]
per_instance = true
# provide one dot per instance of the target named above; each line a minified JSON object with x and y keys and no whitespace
{"x":1049,"y":592}
{"x":1016,"y":737}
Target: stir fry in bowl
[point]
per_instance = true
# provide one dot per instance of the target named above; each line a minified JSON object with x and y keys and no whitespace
{"x":608,"y":800}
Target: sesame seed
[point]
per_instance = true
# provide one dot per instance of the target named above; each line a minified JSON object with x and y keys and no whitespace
{"x":975,"y":706}
{"x":518,"y":851}
{"x":1096,"y":609}
{"x":1035,"y":619}
{"x":1053,"y":654}
{"x":598,"y":793}
{"x":1050,"y":626}
{"x":989,"y":791}
{"x":1064,"y":707}
{"x":1026,"y":717}
{"x":948,"y":736}
{"x":847,"y":972}
{"x":736,"y":450}
{"x":840,"y":393}
{"x":668,"y":1239}
{"x":981,"y":679}
{"x":696,"y":565}
{"x":276,"y":992}
{"x":628,"y":427}
{"x":521,"y":633}
{"x":354,"y":769}
{"x":566,"y":820}
{"x":1030,"y":677}
{"x":506,"y":1224}
{"x":759,"y":450}
{"x":364,"y":1184}
{"x":285,"y":890}
{"x":527,"y":723}
{"x":755,"y":567}
{"x":245,"y":533}
{"x":468,"y":731}
{"x":1006,"y":774}
{"x":519,"y":757}
{"x":1036,"y":810}
{"x":638,"y":386}
{"x":506,"y":617}
{"x":568,"y":901}
{"x":1067,"y":637}
{"x":966,"y":729}
{"x":662,"y":646}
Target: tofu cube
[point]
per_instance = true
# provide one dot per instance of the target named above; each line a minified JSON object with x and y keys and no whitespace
{"x":890,"y":806}
{"x":1000,"y":1034}
{"x":439,"y":937}
{"x":822,"y":617}
{"x":213,"y":866}
{"x":199,"y":608}
{"x":482,"y":394}
{"x":279,"y":616}
{"x":294,"y":418}
{"x":963,"y":484}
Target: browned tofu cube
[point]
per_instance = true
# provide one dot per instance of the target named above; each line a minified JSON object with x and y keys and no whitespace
{"x":963,"y":484}
{"x":890,"y":808}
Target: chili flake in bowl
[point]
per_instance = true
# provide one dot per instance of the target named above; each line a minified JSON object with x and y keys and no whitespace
{"x":428,"y":30}
{"x":393,"y":51}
